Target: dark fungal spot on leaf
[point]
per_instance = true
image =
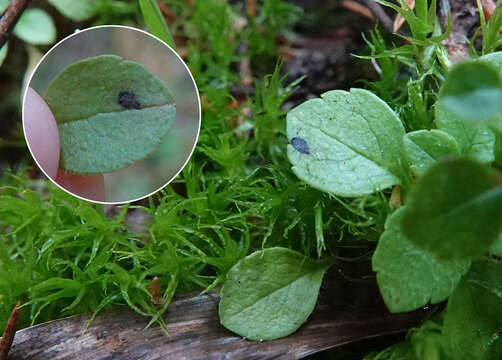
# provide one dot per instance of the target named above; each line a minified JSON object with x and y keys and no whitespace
{"x":128,"y":100}
{"x":300,"y":145}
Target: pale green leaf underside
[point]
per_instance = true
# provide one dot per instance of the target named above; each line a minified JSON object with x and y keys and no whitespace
{"x":3,"y":53}
{"x":36,"y":27}
{"x":100,"y":130}
{"x":424,"y":147}
{"x":409,"y":277}
{"x":119,"y":141}
{"x":354,"y":141}
{"x":270,"y":293}
{"x":76,"y":10}
{"x":475,"y":141}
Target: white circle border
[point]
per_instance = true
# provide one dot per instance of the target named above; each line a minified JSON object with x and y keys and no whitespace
{"x":196,"y":137}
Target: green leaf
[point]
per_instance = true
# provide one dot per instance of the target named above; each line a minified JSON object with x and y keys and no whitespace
{"x":476,"y":141}
{"x":3,"y":53}
{"x":270,"y":293}
{"x":76,"y":10}
{"x":36,"y":27}
{"x":496,"y":248}
{"x":472,"y":325}
{"x":497,"y":148}
{"x":427,"y":341}
{"x":425,"y":147}
{"x":409,"y":277}
{"x":110,"y":113}
{"x":472,"y":91}
{"x":399,"y":351}
{"x":455,"y":209}
{"x":347,"y":143}
{"x":155,"y":21}
{"x":494,"y":59}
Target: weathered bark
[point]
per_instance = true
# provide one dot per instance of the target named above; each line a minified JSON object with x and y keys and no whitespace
{"x":346,"y":312}
{"x":9,"y":18}
{"x":9,"y":332}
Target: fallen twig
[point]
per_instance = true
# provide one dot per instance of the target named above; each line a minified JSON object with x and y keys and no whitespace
{"x":9,"y":332}
{"x":379,"y":13}
{"x":195,"y":331}
{"x":357,"y":8}
{"x":9,"y":18}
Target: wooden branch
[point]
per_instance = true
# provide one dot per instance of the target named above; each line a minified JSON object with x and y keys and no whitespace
{"x":9,"y":18}
{"x":9,"y":333}
{"x":346,"y":312}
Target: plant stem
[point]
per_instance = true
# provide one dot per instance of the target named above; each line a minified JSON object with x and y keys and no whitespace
{"x":9,"y":18}
{"x":9,"y":332}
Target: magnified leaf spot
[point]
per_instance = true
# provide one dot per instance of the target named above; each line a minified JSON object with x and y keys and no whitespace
{"x":128,"y":100}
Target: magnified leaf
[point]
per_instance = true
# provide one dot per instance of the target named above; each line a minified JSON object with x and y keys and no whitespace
{"x":409,"y":277}
{"x":425,"y":147}
{"x":270,"y":293}
{"x":110,"y":113}
{"x":455,"y":209}
{"x":346,"y":143}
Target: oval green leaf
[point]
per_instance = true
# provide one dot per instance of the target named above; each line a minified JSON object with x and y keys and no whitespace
{"x":409,"y":277}
{"x":476,"y":141}
{"x":455,"y":209}
{"x":110,"y":113}
{"x":472,"y":325}
{"x":270,"y":293}
{"x":472,"y":91}
{"x":76,"y":10}
{"x":36,"y":27}
{"x":346,"y":143}
{"x":425,"y":147}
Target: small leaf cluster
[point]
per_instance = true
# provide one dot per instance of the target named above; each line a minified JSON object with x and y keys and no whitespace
{"x":443,"y":241}
{"x":450,"y":220}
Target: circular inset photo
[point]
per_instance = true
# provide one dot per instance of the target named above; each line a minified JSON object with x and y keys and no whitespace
{"x":111,"y":114}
